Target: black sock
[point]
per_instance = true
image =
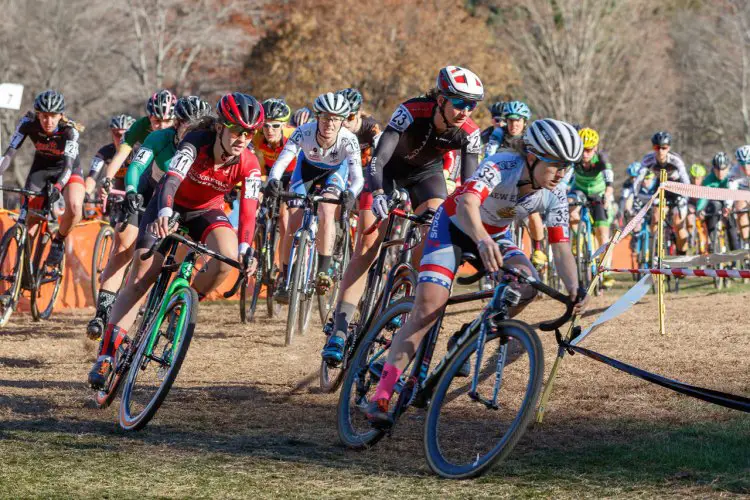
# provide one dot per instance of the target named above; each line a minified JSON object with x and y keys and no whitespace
{"x":342,"y":318}
{"x":104,"y":304}
{"x":324,"y":263}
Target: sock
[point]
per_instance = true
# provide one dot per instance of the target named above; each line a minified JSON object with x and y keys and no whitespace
{"x":387,"y":382}
{"x":538,"y":245}
{"x":104,"y":304}
{"x":344,"y":313}
{"x":112,"y":335}
{"x":324,"y":263}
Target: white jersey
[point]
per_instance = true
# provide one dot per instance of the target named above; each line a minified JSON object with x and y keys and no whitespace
{"x":345,"y":152}
{"x":738,"y":179}
{"x":496,"y":184}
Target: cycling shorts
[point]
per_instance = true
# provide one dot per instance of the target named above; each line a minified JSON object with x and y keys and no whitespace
{"x":199,"y":223}
{"x":306,"y":175}
{"x":42,"y":172}
{"x":425,"y":185}
{"x":596,"y":206}
{"x":446,"y":244}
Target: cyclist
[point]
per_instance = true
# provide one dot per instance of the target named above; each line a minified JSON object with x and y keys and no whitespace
{"x":329,"y":154}
{"x":594,"y":185}
{"x":498,"y":122}
{"x":118,"y":125}
{"x":627,"y":194}
{"x":208,"y":163}
{"x":56,"y":167}
{"x":663,"y":158}
{"x":713,"y":210}
{"x":160,"y":109}
{"x":269,"y":142}
{"x":697,"y":175}
{"x":410,"y":155}
{"x":365,"y":127}
{"x":156,"y":151}
{"x":740,"y":177}
{"x":507,"y":186}
{"x":516,"y":115}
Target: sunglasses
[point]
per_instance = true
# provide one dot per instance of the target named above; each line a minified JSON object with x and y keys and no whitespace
{"x":351,"y":117}
{"x":238,"y":129}
{"x":559,"y":165}
{"x":462,"y":104}
{"x":497,"y":119}
{"x":272,"y":125}
{"x":663,"y":148}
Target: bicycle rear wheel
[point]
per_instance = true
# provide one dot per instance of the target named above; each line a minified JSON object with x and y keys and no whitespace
{"x":155,"y":368}
{"x":47,"y":280}
{"x":363,"y":374}
{"x":11,"y":269}
{"x":463,"y":435}
{"x":102,"y":248}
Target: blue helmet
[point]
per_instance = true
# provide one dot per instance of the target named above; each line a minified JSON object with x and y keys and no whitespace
{"x":516,"y":109}
{"x":634,"y":168}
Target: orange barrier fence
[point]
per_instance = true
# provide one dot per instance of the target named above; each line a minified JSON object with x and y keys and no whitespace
{"x":76,"y":288}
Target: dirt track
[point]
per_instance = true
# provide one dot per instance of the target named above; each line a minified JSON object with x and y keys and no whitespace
{"x":243,"y":398}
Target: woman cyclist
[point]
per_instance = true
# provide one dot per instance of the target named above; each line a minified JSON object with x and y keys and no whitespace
{"x":484,"y":207}
{"x":410,"y":155}
{"x":516,"y":115}
{"x":740,"y":178}
{"x":118,"y":125}
{"x":365,"y":127}
{"x":208,"y":163}
{"x":155,"y":152}
{"x":56,"y":166}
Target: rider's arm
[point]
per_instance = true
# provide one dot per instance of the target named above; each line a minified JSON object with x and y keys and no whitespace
{"x":289,"y":153}
{"x":382,"y":155}
{"x":470,"y":154}
{"x":558,"y":233}
{"x":97,"y":162}
{"x":356,"y":181}
{"x":16,"y":140}
{"x":493,"y":144}
{"x":141,"y":161}
{"x":178,"y":169}
{"x":248,"y":208}
{"x":70,"y":154}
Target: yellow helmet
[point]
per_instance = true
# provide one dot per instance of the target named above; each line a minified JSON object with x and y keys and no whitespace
{"x":697,"y":170}
{"x":590,"y":138}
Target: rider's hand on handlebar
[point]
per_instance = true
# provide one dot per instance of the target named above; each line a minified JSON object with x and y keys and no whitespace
{"x":581,"y":300}
{"x":273,"y":188}
{"x":348,"y":199}
{"x":161,"y":227}
{"x":489,"y":251}
{"x":132,"y":202}
{"x":53,"y":194}
{"x":380,"y":204}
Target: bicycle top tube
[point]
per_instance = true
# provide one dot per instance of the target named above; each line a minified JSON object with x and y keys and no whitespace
{"x":423,"y":219}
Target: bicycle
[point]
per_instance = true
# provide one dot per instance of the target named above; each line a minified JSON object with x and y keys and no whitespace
{"x":303,"y":264}
{"x":104,"y":239}
{"x":518,"y":349}
{"x":266,"y":241}
{"x":162,"y":337}
{"x":386,"y":282}
{"x":23,"y":255}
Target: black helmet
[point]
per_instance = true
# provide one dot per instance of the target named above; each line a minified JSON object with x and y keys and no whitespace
{"x":49,"y":101}
{"x":191,"y":107}
{"x":661,"y":138}
{"x":121,"y":122}
{"x":276,"y":110}
{"x":161,"y":105}
{"x":720,"y":160}
{"x":354,"y":97}
{"x":497,"y":109}
{"x":240,"y":109}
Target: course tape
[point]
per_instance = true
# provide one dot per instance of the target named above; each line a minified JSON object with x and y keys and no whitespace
{"x":706,"y":260}
{"x":686,"y":273}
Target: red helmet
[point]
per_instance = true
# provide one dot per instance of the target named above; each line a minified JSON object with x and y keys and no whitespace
{"x":240,"y":109}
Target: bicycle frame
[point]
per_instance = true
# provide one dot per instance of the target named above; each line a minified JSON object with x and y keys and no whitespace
{"x":310,"y":226}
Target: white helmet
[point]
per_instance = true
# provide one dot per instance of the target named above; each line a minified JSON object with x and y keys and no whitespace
{"x":553,"y":140}
{"x":334,"y":104}
{"x":454,"y":81}
{"x":743,"y":154}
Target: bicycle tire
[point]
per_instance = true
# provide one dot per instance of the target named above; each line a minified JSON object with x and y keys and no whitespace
{"x":434,"y":453}
{"x":359,"y":368}
{"x":14,"y":262}
{"x":308,"y":290}
{"x":297,"y":277}
{"x":102,"y":249}
{"x":54,"y":275}
{"x":248,"y":307}
{"x":189,"y":300}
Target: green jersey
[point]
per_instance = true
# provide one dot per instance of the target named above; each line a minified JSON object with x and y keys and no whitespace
{"x":137,"y":132}
{"x":157,"y":150}
{"x":711,"y":181}
{"x":595,"y":179}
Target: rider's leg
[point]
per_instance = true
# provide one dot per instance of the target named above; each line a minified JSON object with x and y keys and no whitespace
{"x":679,"y":214}
{"x":743,"y":219}
{"x":73,"y":193}
{"x":327,"y":233}
{"x":223,"y":240}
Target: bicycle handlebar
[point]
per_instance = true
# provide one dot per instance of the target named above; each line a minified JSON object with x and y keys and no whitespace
{"x":424,"y":218}
{"x":22,"y":191}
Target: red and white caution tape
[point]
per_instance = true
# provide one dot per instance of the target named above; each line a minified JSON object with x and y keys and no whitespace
{"x":686,"y":273}
{"x":709,"y":193}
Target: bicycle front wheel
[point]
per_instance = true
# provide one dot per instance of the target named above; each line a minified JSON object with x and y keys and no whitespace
{"x":102,"y":249}
{"x":47,"y":280}
{"x":250,"y":290}
{"x":468,"y":429}
{"x":298,"y":284}
{"x":11,"y":269}
{"x":158,"y":360}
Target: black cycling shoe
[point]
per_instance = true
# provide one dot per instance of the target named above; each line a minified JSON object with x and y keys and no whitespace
{"x":56,"y":252}
{"x":377,"y":414}
{"x":281,"y":295}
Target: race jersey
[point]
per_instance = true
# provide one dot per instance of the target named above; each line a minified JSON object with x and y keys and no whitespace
{"x":368,"y":135}
{"x":194,"y":183}
{"x":498,"y":139}
{"x":712,"y":181}
{"x":137,"y":132}
{"x":101,"y":159}
{"x":57,"y":151}
{"x":595,"y":179}
{"x":157,"y":151}
{"x":410,"y":144}
{"x":674,"y":166}
{"x":303,"y":142}
{"x":267,"y":155}
{"x":496,"y":184}
{"x":737,"y":178}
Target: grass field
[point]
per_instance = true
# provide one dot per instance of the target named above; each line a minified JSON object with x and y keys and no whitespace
{"x":245,"y":418}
